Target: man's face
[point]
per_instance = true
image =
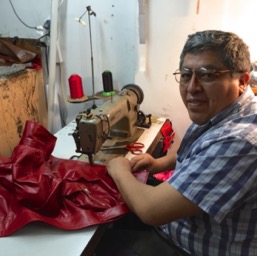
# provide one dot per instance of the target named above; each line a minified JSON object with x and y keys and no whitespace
{"x":204,"y":98}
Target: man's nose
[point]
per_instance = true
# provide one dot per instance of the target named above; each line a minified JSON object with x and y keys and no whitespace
{"x":194,"y":83}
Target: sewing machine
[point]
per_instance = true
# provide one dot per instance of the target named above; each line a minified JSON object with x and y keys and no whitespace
{"x":119,"y":116}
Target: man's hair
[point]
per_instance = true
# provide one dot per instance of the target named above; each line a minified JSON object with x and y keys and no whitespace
{"x":233,"y":52}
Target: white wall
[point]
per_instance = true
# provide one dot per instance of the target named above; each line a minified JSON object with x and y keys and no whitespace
{"x":115,"y":39}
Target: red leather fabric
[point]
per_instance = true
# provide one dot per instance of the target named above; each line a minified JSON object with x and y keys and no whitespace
{"x":168,"y":138}
{"x":68,"y":194}
{"x":168,"y":135}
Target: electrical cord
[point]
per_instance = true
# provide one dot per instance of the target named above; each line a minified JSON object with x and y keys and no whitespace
{"x":19,"y":17}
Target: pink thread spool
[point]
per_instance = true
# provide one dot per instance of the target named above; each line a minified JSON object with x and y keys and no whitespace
{"x":76,"y":89}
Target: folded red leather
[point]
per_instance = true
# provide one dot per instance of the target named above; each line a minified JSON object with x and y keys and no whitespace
{"x":68,"y":194}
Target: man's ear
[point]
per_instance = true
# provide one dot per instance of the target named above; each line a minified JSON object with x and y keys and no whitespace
{"x":243,"y":80}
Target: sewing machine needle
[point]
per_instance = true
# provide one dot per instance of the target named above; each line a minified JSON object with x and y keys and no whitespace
{"x":91,"y":159}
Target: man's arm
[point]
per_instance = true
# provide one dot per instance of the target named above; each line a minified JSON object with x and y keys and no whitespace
{"x":153,"y":205}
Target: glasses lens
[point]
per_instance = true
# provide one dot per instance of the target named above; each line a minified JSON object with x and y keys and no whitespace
{"x":185,"y":76}
{"x":206,"y":75}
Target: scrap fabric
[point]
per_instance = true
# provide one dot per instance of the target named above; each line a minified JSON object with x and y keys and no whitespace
{"x":68,"y":194}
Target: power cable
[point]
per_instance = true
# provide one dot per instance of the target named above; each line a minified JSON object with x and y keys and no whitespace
{"x":19,"y":17}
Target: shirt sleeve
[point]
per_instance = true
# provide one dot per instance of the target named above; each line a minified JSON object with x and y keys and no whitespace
{"x":218,"y":175}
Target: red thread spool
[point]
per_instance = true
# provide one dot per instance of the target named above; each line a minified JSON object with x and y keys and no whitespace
{"x":76,"y":89}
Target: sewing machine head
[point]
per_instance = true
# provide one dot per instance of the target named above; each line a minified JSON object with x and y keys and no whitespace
{"x":116,"y":117}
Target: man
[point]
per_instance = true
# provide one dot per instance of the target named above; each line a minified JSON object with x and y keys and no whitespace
{"x":209,"y":205}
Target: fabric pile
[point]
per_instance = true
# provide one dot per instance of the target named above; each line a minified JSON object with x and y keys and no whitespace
{"x":68,"y":194}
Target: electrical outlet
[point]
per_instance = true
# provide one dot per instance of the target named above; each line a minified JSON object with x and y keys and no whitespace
{"x":47,"y":24}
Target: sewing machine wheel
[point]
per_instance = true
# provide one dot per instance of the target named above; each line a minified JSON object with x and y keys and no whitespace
{"x":137,"y":90}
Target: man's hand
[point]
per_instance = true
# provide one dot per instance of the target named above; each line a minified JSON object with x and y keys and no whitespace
{"x":142,"y":162}
{"x":117,"y":166}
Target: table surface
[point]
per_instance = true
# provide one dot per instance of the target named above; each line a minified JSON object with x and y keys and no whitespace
{"x":40,"y":239}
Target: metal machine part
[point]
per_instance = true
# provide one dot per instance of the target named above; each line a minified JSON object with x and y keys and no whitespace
{"x":117,"y":117}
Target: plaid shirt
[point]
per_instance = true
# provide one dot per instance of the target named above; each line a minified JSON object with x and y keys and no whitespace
{"x":217,"y":170}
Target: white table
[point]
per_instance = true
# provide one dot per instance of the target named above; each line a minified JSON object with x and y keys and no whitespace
{"x":40,"y":239}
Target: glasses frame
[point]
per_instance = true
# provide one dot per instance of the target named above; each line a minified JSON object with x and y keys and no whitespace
{"x":178,"y":72}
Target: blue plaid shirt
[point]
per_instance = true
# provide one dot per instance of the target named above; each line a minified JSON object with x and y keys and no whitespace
{"x":217,"y":170}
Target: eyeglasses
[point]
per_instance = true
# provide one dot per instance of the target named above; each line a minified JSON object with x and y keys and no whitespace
{"x":204,"y":75}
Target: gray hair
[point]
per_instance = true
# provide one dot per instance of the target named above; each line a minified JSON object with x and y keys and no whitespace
{"x":232,"y":50}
